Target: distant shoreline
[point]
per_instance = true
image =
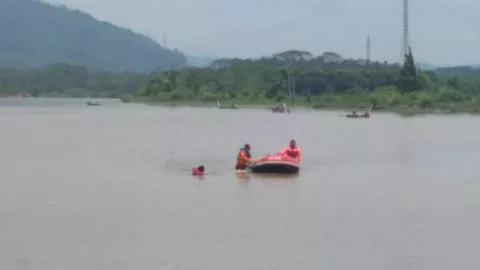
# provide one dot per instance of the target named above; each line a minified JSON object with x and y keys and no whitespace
{"x":403,"y":110}
{"x":56,"y":96}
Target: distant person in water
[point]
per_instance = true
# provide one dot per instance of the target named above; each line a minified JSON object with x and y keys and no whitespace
{"x":367,"y":112}
{"x":244,"y":158}
{"x":198,"y":171}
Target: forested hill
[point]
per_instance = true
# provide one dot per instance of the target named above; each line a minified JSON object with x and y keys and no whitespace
{"x":35,"y":34}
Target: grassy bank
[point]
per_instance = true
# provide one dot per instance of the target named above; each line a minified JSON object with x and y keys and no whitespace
{"x":410,"y":104}
{"x":203,"y":103}
{"x":60,"y":95}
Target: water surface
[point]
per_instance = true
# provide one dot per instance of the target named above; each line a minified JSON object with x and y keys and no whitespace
{"x":90,"y":188}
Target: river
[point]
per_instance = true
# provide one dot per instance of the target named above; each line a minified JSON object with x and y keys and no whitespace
{"x":109,"y":187}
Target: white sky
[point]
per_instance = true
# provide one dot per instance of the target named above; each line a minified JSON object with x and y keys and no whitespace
{"x":442,"y":32}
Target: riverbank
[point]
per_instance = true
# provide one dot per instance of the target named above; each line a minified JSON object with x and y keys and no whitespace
{"x":61,"y":95}
{"x":200,"y":103}
{"x":319,"y":104}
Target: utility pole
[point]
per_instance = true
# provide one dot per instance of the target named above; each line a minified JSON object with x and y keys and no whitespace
{"x":291,"y":85}
{"x":294,"y":85}
{"x":406,"y":42}
{"x":290,"y":73}
{"x":164,"y":41}
{"x":368,"y":60}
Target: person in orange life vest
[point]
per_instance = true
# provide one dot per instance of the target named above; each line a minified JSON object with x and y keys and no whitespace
{"x":292,"y":150}
{"x":244,"y":158}
{"x":198,"y":171}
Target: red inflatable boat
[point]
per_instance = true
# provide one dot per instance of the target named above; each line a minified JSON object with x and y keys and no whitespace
{"x":276,"y":164}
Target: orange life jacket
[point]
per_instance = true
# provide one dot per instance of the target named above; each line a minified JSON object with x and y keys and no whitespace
{"x":196,"y":171}
{"x":293,"y":153}
{"x":243,"y":157}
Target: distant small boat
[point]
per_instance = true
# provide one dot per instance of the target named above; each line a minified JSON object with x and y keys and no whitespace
{"x":366,"y":114}
{"x":93,"y":103}
{"x":358,"y":116}
{"x":281,"y":109}
{"x":226,"y":107}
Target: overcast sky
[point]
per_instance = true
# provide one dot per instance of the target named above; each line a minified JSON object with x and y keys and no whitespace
{"x":442,"y":32}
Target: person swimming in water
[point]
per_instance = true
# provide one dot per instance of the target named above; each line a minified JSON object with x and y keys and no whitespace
{"x":198,"y":171}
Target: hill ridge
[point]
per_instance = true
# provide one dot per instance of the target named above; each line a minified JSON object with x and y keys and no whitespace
{"x":38,"y":33}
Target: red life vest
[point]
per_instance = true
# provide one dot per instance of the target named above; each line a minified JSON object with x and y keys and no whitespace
{"x":293,"y":152}
{"x":243,"y":158}
{"x":196,"y":171}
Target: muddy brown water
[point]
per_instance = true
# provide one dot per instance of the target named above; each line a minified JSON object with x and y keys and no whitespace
{"x":109,"y":187}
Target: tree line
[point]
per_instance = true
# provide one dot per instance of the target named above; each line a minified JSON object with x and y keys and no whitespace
{"x":63,"y":80}
{"x":325,"y":80}
{"x":295,"y":77}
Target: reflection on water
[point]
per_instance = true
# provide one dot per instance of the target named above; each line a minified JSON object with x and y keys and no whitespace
{"x":110,"y":187}
{"x":244,"y":176}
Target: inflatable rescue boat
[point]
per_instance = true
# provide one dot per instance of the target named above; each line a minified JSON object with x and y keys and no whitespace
{"x":278,"y":164}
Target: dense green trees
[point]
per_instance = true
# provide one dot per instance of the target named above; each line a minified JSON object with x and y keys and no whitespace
{"x":35,"y":34}
{"x":62,"y":80}
{"x":294,"y":76}
{"x":326,"y":80}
